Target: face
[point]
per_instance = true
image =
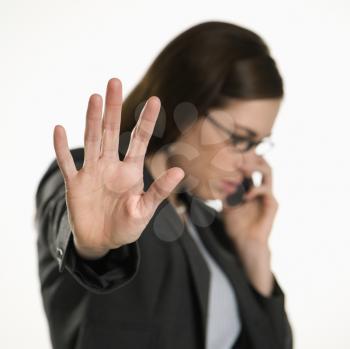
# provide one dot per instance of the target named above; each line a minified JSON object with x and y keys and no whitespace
{"x":208,"y":157}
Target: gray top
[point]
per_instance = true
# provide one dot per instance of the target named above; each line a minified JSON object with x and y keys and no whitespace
{"x":223,"y":323}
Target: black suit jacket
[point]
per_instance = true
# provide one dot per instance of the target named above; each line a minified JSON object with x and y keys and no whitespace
{"x":151,"y":293}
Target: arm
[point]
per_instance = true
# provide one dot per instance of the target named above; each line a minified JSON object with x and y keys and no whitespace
{"x":274,"y":307}
{"x":105,"y":274}
{"x":255,"y":259}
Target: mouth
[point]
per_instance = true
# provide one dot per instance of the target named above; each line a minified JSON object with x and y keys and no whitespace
{"x":228,"y":185}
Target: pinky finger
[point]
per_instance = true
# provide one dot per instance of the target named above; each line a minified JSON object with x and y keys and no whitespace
{"x":63,"y":154}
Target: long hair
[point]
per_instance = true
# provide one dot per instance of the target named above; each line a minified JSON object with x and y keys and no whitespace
{"x":198,"y":70}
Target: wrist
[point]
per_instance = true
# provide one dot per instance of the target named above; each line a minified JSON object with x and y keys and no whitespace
{"x":256,"y":261}
{"x":254,"y":255}
{"x":89,"y":253}
{"x":252,"y":248}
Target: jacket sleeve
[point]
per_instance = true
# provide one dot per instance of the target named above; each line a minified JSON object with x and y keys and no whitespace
{"x":117,"y":268}
{"x":274,"y":306}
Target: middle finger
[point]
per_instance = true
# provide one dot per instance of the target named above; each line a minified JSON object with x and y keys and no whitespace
{"x":111,"y":119}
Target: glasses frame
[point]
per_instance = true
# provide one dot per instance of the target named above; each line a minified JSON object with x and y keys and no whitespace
{"x":234,"y":138}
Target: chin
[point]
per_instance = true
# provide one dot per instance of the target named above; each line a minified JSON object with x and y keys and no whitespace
{"x":210,"y":194}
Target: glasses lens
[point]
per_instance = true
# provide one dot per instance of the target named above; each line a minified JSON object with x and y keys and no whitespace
{"x":242,"y":145}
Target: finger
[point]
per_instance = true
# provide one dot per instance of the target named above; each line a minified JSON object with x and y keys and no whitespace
{"x":256,"y":191}
{"x":161,"y":188}
{"x":266,"y":171}
{"x":93,"y":135}
{"x":262,"y":166}
{"x":142,"y":131}
{"x":269,"y":203}
{"x":64,"y":157}
{"x":111,"y":119}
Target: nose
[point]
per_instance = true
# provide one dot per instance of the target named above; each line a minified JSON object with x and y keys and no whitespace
{"x":227,"y":161}
{"x":234,"y":165}
{"x":238,"y":160}
{"x":247,"y":159}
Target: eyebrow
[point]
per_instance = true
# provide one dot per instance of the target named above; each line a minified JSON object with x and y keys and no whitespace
{"x":250,"y":131}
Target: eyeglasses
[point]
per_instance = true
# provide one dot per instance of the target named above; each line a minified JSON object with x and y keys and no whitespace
{"x":243,"y":144}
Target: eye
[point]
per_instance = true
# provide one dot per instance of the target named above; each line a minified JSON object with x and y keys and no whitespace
{"x":240,"y":143}
{"x":237,"y":139}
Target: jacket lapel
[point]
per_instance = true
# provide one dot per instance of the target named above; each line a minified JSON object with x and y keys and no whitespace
{"x":213,"y":236}
{"x":200,"y":274}
{"x":174,"y":230}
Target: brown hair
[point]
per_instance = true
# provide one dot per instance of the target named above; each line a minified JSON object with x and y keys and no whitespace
{"x":198,"y":70}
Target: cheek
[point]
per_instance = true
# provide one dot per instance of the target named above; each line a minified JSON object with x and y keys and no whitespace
{"x":198,"y":169}
{"x":197,"y":172}
{"x":212,"y":164}
{"x":203,"y":164}
{"x":225,"y":160}
{"x":203,"y":172}
{"x":203,"y":176}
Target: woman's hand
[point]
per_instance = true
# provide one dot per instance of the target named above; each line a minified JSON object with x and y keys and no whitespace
{"x":249,"y":225}
{"x":251,"y":221}
{"x":106,"y":204}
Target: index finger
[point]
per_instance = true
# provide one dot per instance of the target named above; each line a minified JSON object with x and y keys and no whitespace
{"x":143,"y":130}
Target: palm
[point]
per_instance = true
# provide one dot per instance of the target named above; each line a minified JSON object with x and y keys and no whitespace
{"x":106,"y":203}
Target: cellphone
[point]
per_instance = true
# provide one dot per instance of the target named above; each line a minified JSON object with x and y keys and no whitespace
{"x":237,"y":197}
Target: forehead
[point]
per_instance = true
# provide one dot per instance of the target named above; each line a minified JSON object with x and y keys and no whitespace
{"x":256,"y":114}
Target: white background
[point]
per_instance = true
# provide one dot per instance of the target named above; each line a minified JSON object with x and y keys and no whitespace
{"x":54,"y":54}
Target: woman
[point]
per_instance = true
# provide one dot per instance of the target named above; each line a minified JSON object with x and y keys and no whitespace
{"x":143,"y":261}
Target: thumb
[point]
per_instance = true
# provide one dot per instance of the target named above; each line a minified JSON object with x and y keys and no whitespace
{"x":162,"y":187}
